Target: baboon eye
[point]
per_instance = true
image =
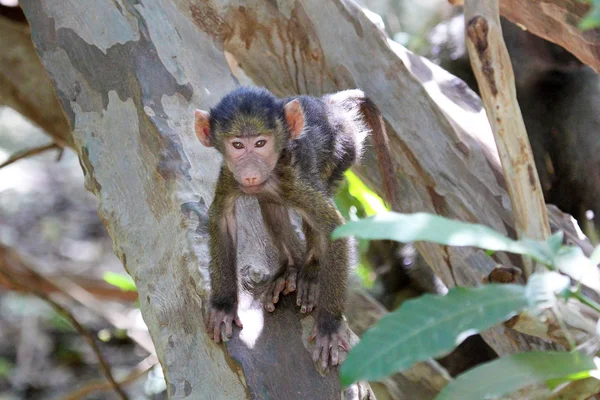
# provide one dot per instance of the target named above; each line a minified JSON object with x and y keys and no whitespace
{"x":238,"y":145}
{"x":260,"y":143}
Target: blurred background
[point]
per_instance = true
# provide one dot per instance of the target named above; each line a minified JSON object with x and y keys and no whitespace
{"x":57,"y":257}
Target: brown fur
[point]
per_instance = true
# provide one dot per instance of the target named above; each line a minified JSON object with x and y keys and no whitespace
{"x":309,"y":144}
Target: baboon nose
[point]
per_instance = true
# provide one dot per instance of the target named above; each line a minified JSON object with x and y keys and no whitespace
{"x":251,"y":180}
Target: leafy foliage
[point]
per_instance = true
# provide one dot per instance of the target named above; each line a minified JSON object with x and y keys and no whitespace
{"x":369,"y":200}
{"x":355,"y":200}
{"x":508,"y":374}
{"x":433,"y":228}
{"x":430,"y":326}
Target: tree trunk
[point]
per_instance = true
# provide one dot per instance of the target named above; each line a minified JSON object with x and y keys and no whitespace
{"x":129,"y":74}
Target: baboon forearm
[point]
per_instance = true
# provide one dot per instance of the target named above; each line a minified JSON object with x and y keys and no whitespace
{"x":222,"y":266}
{"x":322,"y":218}
{"x":333,"y":278}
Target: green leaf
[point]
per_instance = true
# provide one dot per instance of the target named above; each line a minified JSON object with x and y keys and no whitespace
{"x":6,"y":367}
{"x":348,"y":205}
{"x":572,"y":261}
{"x":433,"y":228}
{"x":591,"y":20}
{"x":554,"y":383}
{"x":370,"y":201}
{"x":555,"y":242}
{"x":428,"y":327}
{"x":122,"y":281}
{"x":543,"y":289}
{"x":507,"y":374}
{"x":595,"y":257}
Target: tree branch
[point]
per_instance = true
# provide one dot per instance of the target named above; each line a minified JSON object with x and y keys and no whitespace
{"x":493,"y":70}
{"x":30,"y":152}
{"x":555,"y":21}
{"x":140,"y":370}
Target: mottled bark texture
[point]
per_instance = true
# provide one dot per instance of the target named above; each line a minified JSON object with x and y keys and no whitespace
{"x":128,"y":75}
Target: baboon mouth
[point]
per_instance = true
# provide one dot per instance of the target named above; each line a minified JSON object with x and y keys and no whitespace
{"x":252,"y":189}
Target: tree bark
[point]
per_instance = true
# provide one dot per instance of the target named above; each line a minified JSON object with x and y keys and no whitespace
{"x":555,"y":21}
{"x":129,"y":79}
{"x":24,"y":84}
{"x":493,"y":69}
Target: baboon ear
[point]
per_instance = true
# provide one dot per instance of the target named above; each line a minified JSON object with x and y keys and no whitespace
{"x":294,"y":117}
{"x":202,"y":127}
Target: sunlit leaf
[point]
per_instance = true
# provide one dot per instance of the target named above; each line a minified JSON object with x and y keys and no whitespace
{"x":507,"y":374}
{"x":370,"y":201}
{"x":554,"y":383}
{"x":543,"y":289}
{"x":122,"y":281}
{"x":407,"y":228}
{"x":365,"y":274}
{"x":429,"y":326}
{"x":572,"y":261}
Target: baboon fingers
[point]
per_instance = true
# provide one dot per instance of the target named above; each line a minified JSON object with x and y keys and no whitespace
{"x":238,"y":322}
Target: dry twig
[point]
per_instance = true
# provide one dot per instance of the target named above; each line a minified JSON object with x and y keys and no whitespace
{"x":31,"y":152}
{"x":76,"y":324}
{"x":98,"y":288}
{"x":140,"y":370}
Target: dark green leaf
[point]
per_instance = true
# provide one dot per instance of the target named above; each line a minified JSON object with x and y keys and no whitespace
{"x":345,"y":202}
{"x":508,"y":374}
{"x":429,"y":326}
